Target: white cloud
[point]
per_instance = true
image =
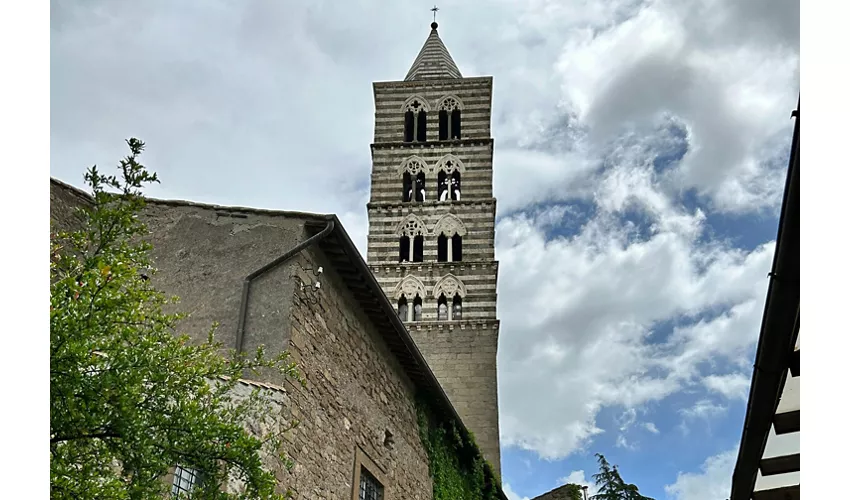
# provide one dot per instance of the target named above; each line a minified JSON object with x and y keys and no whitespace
{"x":651,"y":427}
{"x":712,"y":483}
{"x":580,"y":313}
{"x":732,"y":385}
{"x":511,"y":494}
{"x":703,"y":409}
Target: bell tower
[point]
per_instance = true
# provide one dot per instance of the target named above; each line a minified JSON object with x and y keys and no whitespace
{"x":431,"y":227}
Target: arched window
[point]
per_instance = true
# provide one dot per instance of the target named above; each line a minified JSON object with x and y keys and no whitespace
{"x":415,"y":121}
{"x":455,"y":124}
{"x":442,"y":248}
{"x":411,"y":232}
{"x":404,"y":249}
{"x":421,"y":127}
{"x":444,"y":125}
{"x":420,"y":187}
{"x":442,"y":308}
{"x":402,"y":308}
{"x":450,"y":286}
{"x":450,"y":232}
{"x":409,"y":125}
{"x":407,"y":187}
{"x":442,"y":186}
{"x":457,"y":307}
{"x":457,"y":248}
{"x":418,"y":253}
{"x":417,"y":308}
{"x":455,"y":186}
{"x":449,"y":116}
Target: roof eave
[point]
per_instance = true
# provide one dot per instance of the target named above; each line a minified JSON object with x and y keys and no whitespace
{"x":779,"y":330}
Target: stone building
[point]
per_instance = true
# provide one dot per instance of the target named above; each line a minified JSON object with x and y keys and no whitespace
{"x":564,"y":492}
{"x":431,"y":227}
{"x":254,"y":272}
{"x":418,"y":321}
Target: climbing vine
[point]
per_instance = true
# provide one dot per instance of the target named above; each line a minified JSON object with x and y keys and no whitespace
{"x":458,"y":470}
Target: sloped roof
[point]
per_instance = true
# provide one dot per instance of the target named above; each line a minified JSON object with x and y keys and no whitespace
{"x":434,"y":61}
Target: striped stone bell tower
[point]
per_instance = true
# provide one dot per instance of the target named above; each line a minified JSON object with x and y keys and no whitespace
{"x":431,"y":227}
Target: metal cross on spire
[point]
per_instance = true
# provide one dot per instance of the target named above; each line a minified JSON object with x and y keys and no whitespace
{"x":434,"y":10}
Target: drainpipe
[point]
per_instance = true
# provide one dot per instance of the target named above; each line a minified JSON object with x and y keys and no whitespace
{"x":246,"y":284}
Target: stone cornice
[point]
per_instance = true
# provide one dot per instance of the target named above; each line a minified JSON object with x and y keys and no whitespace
{"x":390,"y":205}
{"x":482,"y":141}
{"x":449,"y":325}
{"x":474,"y":81}
{"x":452,"y":267}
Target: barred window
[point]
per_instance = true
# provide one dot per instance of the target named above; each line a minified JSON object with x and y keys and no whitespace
{"x":185,"y":480}
{"x":370,"y":488}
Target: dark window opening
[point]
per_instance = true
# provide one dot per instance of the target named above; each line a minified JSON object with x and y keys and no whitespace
{"x":455,"y":126}
{"x":455,"y":186}
{"x":370,"y":488}
{"x":417,"y":308}
{"x":185,"y":480}
{"x":408,"y":126}
{"x":421,"y":127}
{"x":442,"y":248}
{"x":444,"y":124}
{"x":418,"y":242}
{"x":402,"y":308}
{"x":419,"y":195}
{"x":407,"y":187}
{"x":442,"y":308}
{"x":457,"y":308}
{"x":457,"y":248}
{"x":442,"y":186}
{"x":404,"y":249}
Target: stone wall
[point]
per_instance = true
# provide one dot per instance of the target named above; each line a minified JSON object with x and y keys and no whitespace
{"x":356,"y":390}
{"x":203,"y":253}
{"x":463,"y":356}
{"x":356,"y":394}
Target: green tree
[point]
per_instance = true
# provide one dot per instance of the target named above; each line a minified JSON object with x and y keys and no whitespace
{"x":128,"y":397}
{"x":611,"y":486}
{"x":573,"y":491}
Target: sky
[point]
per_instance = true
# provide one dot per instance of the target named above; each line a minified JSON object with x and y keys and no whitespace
{"x":640,"y":155}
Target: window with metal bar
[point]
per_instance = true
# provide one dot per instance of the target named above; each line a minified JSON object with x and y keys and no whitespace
{"x":370,"y":488}
{"x":185,"y":480}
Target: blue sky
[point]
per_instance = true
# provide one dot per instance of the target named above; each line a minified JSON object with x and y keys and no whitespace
{"x":639,"y":166}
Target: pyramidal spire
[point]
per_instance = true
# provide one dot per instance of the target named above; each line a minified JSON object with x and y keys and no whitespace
{"x":434,"y":61}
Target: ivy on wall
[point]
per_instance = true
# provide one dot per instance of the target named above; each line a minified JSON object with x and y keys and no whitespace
{"x":458,"y":470}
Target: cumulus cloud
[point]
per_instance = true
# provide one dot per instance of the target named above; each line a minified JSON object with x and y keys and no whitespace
{"x":581,"y":311}
{"x":712,"y":482}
